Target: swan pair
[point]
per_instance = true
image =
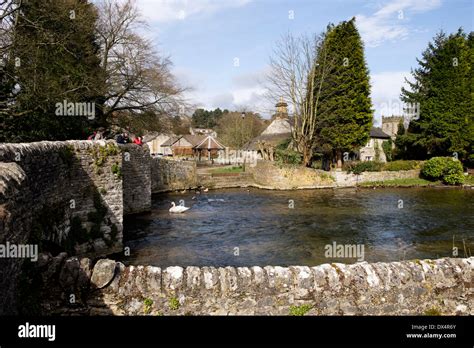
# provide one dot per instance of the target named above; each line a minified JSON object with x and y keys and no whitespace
{"x":177,"y":208}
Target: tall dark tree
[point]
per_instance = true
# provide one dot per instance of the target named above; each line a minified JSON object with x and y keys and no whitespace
{"x":443,"y":88}
{"x":345,"y":108}
{"x":54,"y":53}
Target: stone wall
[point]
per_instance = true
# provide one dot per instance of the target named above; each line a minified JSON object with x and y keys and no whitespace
{"x":169,"y":175}
{"x":344,"y":179}
{"x":59,"y":196}
{"x":136,"y":176}
{"x":270,"y":175}
{"x":442,"y":286}
{"x":225,"y":180}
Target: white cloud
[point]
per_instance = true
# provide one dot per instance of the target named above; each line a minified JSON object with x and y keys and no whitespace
{"x":386,"y":89}
{"x":174,"y":10}
{"x":389,"y":23}
{"x":223,"y":101}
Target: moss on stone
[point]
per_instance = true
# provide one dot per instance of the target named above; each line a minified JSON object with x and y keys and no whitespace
{"x":117,"y":170}
{"x":433,"y":311}
{"x":147,"y":305}
{"x":338,"y":270}
{"x":174,"y":303}
{"x":67,"y":155}
{"x":100,"y":154}
{"x":300,"y":310}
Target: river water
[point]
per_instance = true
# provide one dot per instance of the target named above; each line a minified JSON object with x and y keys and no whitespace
{"x":241,"y":227}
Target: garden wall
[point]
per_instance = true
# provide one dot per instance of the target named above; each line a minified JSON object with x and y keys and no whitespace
{"x":344,"y":179}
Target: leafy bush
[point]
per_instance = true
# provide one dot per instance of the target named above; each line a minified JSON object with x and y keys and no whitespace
{"x":453,"y":179}
{"x":288,"y":156}
{"x":453,"y":173}
{"x":448,"y":169}
{"x":366,"y":166}
{"x":401,"y":165}
{"x":434,"y":168}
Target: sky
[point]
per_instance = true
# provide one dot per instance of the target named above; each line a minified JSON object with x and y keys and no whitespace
{"x":221,"y":48}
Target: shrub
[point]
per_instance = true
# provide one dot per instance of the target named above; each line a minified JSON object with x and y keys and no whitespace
{"x":366,"y":166}
{"x":448,"y":169}
{"x":401,"y":165}
{"x":434,"y":168}
{"x":453,"y":173}
{"x":288,"y":156}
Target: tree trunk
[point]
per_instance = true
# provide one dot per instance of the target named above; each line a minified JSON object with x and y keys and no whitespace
{"x":339,"y":158}
{"x":307,"y":155}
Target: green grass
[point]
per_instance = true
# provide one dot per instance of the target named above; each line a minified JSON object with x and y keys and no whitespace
{"x":228,"y":170}
{"x":401,"y":182}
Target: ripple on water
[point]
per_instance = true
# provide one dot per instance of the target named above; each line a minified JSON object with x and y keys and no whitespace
{"x":267,"y":232}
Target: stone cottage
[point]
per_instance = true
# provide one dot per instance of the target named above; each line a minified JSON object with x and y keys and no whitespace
{"x":373,"y":151}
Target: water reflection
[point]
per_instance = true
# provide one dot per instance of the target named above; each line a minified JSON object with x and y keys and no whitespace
{"x":267,"y":232}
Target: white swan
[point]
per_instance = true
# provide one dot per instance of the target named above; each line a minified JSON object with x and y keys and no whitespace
{"x":178,"y":208}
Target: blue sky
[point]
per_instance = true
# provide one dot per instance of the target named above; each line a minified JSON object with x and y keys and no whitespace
{"x":204,"y":38}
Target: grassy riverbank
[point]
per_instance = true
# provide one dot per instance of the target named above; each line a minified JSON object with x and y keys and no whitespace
{"x":227,"y":170}
{"x":409,"y":182}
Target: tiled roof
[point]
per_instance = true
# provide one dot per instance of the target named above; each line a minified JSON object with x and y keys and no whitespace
{"x":209,"y":143}
{"x":171,"y":141}
{"x":194,"y":139}
{"x":197,"y":141}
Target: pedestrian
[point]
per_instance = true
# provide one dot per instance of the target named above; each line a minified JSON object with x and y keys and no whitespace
{"x":138,"y":141}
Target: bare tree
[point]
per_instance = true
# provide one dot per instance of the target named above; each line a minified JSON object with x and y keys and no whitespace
{"x":237,"y":128}
{"x":138,"y":79}
{"x":9,"y":10}
{"x":298,"y":68}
